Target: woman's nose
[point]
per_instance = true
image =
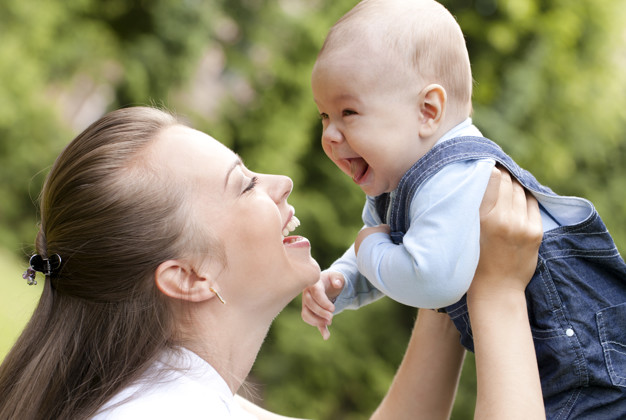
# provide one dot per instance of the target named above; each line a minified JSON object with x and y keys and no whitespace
{"x":281,"y":187}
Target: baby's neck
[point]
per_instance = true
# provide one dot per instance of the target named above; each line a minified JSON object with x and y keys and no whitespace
{"x":447,"y":125}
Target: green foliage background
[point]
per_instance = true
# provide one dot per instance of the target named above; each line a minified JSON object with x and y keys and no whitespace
{"x":550,"y":88}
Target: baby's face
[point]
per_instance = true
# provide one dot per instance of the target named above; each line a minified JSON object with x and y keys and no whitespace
{"x":370,"y":117}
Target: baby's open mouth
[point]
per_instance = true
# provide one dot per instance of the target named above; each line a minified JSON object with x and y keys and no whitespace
{"x":358,"y":168}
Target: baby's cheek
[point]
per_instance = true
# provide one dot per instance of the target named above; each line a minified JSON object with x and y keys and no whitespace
{"x":328,"y":151}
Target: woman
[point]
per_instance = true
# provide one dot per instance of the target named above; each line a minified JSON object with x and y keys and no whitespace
{"x":165,"y":264}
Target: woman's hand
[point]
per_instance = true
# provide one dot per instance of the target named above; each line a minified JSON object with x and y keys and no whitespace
{"x":506,"y":365}
{"x":367,"y":231}
{"x":510,"y":235}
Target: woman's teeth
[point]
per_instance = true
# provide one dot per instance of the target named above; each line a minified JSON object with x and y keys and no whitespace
{"x":291,"y":225}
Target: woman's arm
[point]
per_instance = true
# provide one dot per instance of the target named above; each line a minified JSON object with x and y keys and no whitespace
{"x":426,"y":382}
{"x":506,"y":365}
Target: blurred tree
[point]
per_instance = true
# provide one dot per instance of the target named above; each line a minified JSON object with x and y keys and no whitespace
{"x":29,"y":129}
{"x":64,"y":64}
{"x":550,"y":86}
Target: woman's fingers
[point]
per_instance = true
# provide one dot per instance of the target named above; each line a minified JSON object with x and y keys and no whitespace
{"x":491,"y":193}
{"x":510,"y":232}
{"x":534,"y":217}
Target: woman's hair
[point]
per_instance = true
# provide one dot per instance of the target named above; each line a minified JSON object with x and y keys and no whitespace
{"x":113,"y":216}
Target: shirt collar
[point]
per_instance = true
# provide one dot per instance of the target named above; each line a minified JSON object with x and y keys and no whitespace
{"x":465,"y":128}
{"x":197,"y":369}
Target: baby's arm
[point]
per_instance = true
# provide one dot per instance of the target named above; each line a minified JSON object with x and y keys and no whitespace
{"x":434,"y":265}
{"x":340,"y":287}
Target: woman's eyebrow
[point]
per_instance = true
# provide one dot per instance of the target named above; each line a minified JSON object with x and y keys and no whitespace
{"x":236,"y":163}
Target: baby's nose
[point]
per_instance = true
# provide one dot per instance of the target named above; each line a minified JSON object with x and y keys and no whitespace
{"x":331,"y":134}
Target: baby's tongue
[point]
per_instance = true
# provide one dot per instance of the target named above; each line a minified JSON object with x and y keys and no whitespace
{"x":358,"y":167}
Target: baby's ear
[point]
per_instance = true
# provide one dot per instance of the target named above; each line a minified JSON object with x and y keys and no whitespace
{"x":178,"y":280}
{"x":433,"y":100}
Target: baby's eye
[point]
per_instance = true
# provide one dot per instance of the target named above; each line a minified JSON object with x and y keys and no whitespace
{"x":251,"y":185}
{"x":348,"y":112}
{"x":323,"y":116}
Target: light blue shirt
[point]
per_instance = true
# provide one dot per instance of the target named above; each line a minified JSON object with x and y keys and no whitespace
{"x":434,"y":265}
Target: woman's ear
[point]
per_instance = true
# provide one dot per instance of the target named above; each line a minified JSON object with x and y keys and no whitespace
{"x":178,"y":280}
{"x":433,"y":101}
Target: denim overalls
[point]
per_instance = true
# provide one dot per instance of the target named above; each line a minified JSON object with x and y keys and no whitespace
{"x":576,"y":298}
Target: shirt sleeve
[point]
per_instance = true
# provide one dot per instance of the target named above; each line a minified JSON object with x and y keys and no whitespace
{"x":434,"y":265}
{"x":357,"y":290}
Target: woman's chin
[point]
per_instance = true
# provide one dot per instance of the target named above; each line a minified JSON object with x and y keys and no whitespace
{"x":310,"y":274}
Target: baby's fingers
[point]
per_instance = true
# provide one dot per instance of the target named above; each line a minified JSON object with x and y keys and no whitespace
{"x":314,"y":320}
{"x":318,"y":306}
{"x":325,"y":332}
{"x":336,"y":283}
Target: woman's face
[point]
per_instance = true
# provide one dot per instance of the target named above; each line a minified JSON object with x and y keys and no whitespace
{"x":246,"y":213}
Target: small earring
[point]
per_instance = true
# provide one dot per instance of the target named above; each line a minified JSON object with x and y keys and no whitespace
{"x":218,"y":295}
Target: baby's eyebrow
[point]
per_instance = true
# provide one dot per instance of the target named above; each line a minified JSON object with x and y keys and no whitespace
{"x":236,"y":163}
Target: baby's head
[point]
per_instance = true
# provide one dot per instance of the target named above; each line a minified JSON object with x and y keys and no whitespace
{"x":391,"y":78}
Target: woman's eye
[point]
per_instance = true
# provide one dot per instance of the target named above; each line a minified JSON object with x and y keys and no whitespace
{"x":323,"y":116}
{"x":251,"y":185}
{"x":348,"y":112}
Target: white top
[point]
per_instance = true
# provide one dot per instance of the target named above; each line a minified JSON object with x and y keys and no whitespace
{"x":180,"y":385}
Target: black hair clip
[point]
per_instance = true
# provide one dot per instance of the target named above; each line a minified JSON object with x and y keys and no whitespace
{"x":48,"y":266}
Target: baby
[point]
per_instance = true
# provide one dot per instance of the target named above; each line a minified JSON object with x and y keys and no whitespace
{"x":393,"y":86}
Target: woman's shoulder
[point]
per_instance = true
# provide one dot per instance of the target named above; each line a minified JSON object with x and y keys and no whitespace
{"x":164,"y":405}
{"x":178,"y":385}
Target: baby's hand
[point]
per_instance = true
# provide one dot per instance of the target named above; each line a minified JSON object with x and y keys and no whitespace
{"x":317,"y":301}
{"x":367,"y":231}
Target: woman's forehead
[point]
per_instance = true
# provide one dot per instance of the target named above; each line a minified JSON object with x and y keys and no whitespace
{"x":190,"y":154}
{"x":181,"y":142}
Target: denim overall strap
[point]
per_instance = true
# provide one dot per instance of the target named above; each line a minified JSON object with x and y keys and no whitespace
{"x":454,"y":150}
{"x":381,"y":204}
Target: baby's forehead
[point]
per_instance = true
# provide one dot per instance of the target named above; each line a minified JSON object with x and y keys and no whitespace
{"x":367,"y":56}
{"x":401,"y":43}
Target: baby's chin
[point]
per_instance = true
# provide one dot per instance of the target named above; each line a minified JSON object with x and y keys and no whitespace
{"x":373,"y":192}
{"x":375,"y":187}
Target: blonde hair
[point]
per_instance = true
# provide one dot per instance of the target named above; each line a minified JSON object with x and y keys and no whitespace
{"x":420,"y":34}
{"x":113,"y":217}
